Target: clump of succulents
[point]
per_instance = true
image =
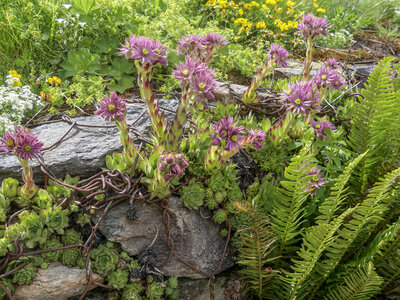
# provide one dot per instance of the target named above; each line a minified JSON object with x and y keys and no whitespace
{"x":193,"y":195}
{"x":104,"y":259}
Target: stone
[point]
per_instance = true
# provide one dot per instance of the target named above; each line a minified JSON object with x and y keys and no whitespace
{"x":57,"y":282}
{"x":196,"y":238}
{"x":198,"y":289}
{"x":83,"y":150}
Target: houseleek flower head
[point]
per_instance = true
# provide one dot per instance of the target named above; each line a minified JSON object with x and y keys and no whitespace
{"x":199,"y":46}
{"x":27,"y":145}
{"x":185,"y":70}
{"x":172,"y":164}
{"x":316,"y":180}
{"x":319,"y":127}
{"x":327,"y":77}
{"x":301,"y":97}
{"x":144,"y":50}
{"x":278,"y":55}
{"x":257,"y":137}
{"x":311,"y":26}
{"x":192,"y":45}
{"x":336,"y":81}
{"x":213,"y":40}
{"x":203,"y":82}
{"x":332,"y":63}
{"x":112,"y":108}
{"x":227,"y":134}
{"x":8,"y":142}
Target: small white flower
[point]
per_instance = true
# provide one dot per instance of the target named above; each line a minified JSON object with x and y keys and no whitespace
{"x":67,"y":6}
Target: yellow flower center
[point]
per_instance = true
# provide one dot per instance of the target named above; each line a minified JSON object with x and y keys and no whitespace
{"x":234,"y":138}
{"x":27,"y":148}
{"x":10,"y":142}
{"x":202,"y":85}
{"x":111,"y":108}
{"x":297,"y":101}
{"x":158,"y":51}
{"x":185,"y":72}
{"x":288,"y":92}
{"x":323,"y":77}
{"x":317,"y":126}
{"x":145,"y":51}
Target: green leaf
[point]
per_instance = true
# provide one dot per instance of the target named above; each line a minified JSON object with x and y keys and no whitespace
{"x":81,"y":61}
{"x":84,"y":6}
{"x":125,"y":83}
{"x":106,"y":44}
{"x":120,"y":66}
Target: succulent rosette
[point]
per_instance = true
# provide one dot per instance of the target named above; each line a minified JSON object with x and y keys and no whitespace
{"x":118,"y":278}
{"x":70,"y":256}
{"x":104,"y":260}
{"x":51,"y":256}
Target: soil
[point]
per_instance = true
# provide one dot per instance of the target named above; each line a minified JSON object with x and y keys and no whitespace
{"x":368,"y":47}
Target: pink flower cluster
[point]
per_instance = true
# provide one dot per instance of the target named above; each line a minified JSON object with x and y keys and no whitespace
{"x":229,"y":136}
{"x":23,"y":143}
{"x":327,"y":77}
{"x":147,"y":51}
{"x":278,"y":55}
{"x":319,"y":127}
{"x":198,"y":76}
{"x":112,"y":108}
{"x":198,"y":46}
{"x":316,"y":181}
{"x":301,"y":97}
{"x":311,"y":26}
{"x":172,"y":164}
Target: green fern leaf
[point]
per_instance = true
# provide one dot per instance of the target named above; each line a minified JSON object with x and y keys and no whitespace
{"x":359,"y":285}
{"x":331,"y":205}
{"x":363,"y":221}
{"x":288,"y":207}
{"x":372,"y":125}
{"x":256,"y":242}
{"x":315,"y":242}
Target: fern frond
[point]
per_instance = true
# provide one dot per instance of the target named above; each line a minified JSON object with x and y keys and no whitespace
{"x":331,"y":205}
{"x":315,"y":242}
{"x":288,"y":207}
{"x":384,"y":244}
{"x":256,"y":242}
{"x":359,"y":285}
{"x":363,"y":221}
{"x":389,"y":270}
{"x":372,"y":124}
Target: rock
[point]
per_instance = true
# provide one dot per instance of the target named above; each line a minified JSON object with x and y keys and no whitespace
{"x":84,"y":149}
{"x":227,"y":93}
{"x":57,"y":282}
{"x":198,"y":289}
{"x":196,"y":239}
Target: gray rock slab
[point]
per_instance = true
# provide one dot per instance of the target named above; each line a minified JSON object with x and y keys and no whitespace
{"x":196,"y":239}
{"x":57,"y":282}
{"x":84,"y":149}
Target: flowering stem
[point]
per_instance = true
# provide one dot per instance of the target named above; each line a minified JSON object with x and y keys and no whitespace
{"x":29,"y":189}
{"x":146,"y":92}
{"x":129,"y":149}
{"x":309,"y":58}
{"x":250,"y":96}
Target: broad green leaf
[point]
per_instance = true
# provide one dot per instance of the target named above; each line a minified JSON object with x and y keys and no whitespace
{"x":84,"y":6}
{"x":125,"y":83}
{"x":106,"y":44}
{"x":81,"y":61}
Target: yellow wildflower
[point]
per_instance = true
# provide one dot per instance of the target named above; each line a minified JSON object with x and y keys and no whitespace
{"x":241,"y":12}
{"x":254,"y":4}
{"x":14,"y":74}
{"x":290,"y":11}
{"x":321,"y":10}
{"x":211,"y":3}
{"x":261,"y":25}
{"x":266,"y":8}
{"x":316,"y":5}
{"x":290,"y":4}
